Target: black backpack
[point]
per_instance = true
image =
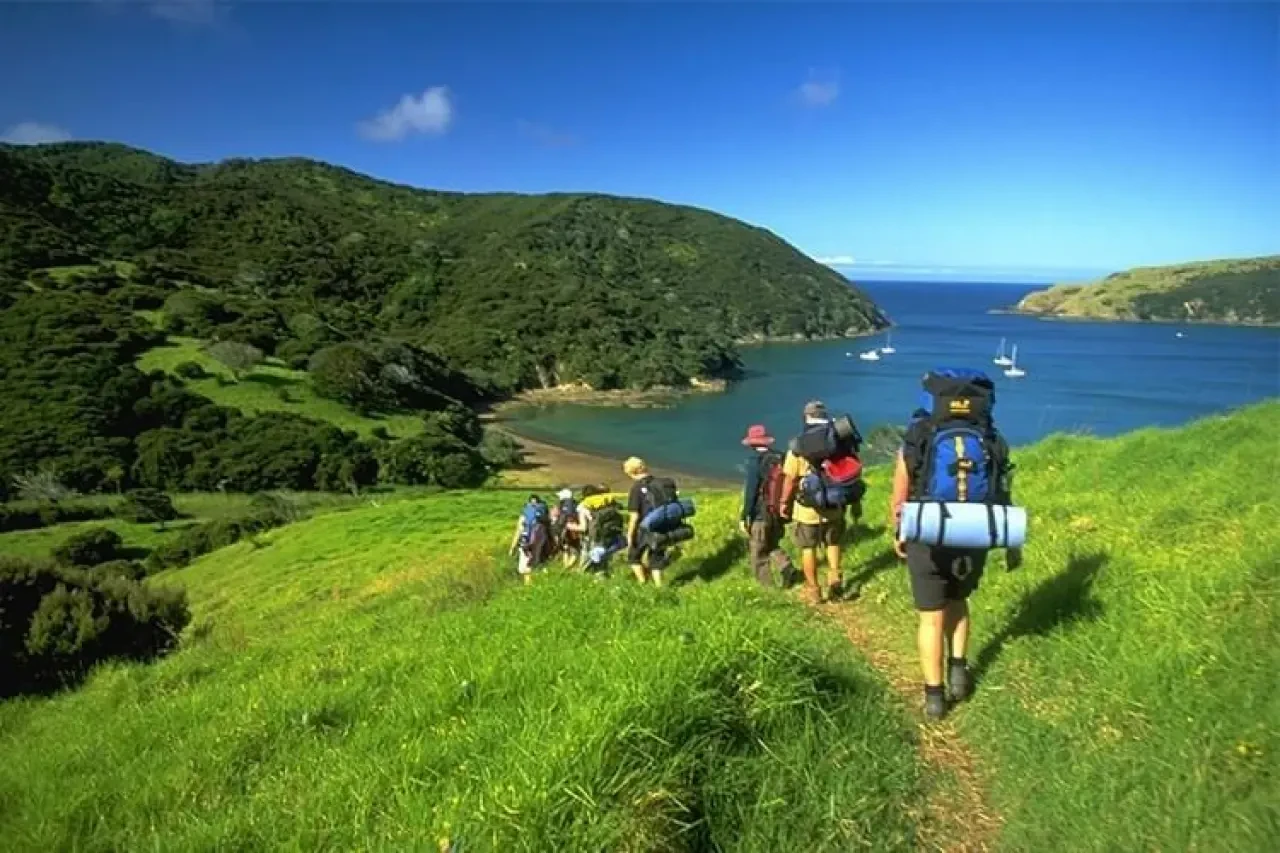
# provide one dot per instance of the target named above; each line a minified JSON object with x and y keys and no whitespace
{"x":656,"y":492}
{"x":838,"y":436}
{"x":606,"y":525}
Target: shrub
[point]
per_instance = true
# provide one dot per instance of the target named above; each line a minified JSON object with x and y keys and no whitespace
{"x":265,"y":512}
{"x":147,"y":506}
{"x":191,"y":370}
{"x":42,"y":485}
{"x":500,"y":450}
{"x":30,"y":518}
{"x":89,"y":548}
{"x":59,"y":622}
{"x":238,"y":357}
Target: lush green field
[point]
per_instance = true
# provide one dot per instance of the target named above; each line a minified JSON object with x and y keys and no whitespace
{"x":270,"y":387}
{"x":1127,"y":694}
{"x":375,"y":680}
{"x":193,"y":507}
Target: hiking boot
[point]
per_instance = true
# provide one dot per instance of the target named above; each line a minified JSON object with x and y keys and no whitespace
{"x":935,"y":703}
{"x":959,"y":681}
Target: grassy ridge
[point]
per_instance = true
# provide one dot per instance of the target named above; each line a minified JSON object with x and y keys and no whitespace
{"x":373,"y":681}
{"x":1127,"y":696}
{"x":1242,"y":291}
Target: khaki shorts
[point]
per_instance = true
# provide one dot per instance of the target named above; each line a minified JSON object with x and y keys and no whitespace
{"x":823,"y":535}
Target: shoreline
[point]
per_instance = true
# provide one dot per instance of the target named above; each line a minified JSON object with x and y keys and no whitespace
{"x":550,"y":466}
{"x":1084,"y":318}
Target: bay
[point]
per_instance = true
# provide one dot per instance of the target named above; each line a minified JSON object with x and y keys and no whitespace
{"x":1097,"y":378}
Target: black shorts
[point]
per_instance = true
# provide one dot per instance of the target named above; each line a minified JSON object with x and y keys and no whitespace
{"x":644,"y":546}
{"x":939,"y":575}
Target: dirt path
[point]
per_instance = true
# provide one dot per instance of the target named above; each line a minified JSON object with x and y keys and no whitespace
{"x":956,"y":816}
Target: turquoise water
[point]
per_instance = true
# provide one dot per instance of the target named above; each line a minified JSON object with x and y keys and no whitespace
{"x":1103,"y":378}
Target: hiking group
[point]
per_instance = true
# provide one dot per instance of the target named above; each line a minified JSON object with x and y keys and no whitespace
{"x":951,"y":503}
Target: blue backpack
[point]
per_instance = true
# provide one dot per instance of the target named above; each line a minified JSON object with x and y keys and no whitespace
{"x":534,"y":514}
{"x":952,"y":449}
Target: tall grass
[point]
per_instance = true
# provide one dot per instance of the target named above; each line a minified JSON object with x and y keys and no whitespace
{"x":374,"y":680}
{"x":1127,"y":695}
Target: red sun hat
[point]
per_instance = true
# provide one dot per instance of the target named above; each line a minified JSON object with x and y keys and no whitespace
{"x":758,"y":436}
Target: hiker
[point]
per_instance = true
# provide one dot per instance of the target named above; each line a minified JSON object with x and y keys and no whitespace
{"x":951,"y":453}
{"x":646,"y":549}
{"x":532,"y":537}
{"x":603,"y":529}
{"x":567,"y":528}
{"x":761,"y":520}
{"x":815,"y":493}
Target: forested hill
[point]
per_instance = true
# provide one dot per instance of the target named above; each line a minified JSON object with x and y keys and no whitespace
{"x":1242,"y":291}
{"x":520,"y":291}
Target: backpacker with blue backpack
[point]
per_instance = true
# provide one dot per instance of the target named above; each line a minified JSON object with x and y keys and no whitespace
{"x":955,"y":455}
{"x":534,"y":523}
{"x":831,"y":449}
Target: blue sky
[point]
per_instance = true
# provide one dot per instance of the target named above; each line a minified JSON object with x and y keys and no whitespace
{"x":982,"y":139}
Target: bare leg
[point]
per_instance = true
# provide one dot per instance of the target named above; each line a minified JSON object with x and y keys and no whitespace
{"x":809,"y":565}
{"x":957,"y":627}
{"x":929,"y":639}
{"x":638,"y":571}
{"x":656,"y":574}
{"x":833,"y":565}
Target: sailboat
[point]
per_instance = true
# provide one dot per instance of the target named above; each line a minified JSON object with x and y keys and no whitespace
{"x":1002,"y":359}
{"x":888,"y":349}
{"x":869,"y":355}
{"x":1013,"y":371}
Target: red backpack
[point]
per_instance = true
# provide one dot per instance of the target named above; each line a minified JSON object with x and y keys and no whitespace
{"x":771,"y":482}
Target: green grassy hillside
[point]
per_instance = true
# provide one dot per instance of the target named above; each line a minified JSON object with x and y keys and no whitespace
{"x":373,"y":681}
{"x":376,"y":680}
{"x":1244,"y":291}
{"x":528,"y":291}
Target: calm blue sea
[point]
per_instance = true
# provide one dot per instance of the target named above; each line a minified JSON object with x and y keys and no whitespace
{"x":1102,"y":378}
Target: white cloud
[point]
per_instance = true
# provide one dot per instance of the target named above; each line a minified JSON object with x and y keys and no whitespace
{"x":428,"y":113}
{"x":819,"y":90}
{"x":836,"y":260}
{"x":34,"y":133}
{"x":544,"y":135}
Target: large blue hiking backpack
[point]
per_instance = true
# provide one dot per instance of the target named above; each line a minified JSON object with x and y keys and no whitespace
{"x":534,"y":518}
{"x":952,"y":449}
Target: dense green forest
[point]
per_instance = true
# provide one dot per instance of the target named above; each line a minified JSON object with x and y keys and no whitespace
{"x":1244,"y":291}
{"x":522,"y":291}
{"x":392,"y":299}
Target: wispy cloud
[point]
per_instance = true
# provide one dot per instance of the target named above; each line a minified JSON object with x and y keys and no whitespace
{"x":837,"y":260}
{"x":430,"y":113}
{"x":544,"y":135}
{"x":820,"y":90}
{"x":34,"y":133}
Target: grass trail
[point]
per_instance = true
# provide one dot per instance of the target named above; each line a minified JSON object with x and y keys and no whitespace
{"x":373,"y":680}
{"x":1127,"y":694}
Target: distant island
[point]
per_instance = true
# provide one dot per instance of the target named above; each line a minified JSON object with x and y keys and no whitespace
{"x":1244,"y":292}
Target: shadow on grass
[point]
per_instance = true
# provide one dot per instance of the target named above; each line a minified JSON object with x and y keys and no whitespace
{"x":882,"y":561}
{"x":132,"y":552}
{"x":1060,"y":600}
{"x":718,"y":564}
{"x":271,"y":380}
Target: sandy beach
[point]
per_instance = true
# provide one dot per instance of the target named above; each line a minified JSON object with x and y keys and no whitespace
{"x":550,"y":467}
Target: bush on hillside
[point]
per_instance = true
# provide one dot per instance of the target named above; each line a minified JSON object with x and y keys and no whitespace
{"x":237,"y":357}
{"x":147,"y":506}
{"x":43,"y":485}
{"x":89,"y":548}
{"x":266,"y":511}
{"x":60,"y":621}
{"x":191,"y":370}
{"x":14,"y":517}
{"x":432,"y":459}
{"x":500,"y":450}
